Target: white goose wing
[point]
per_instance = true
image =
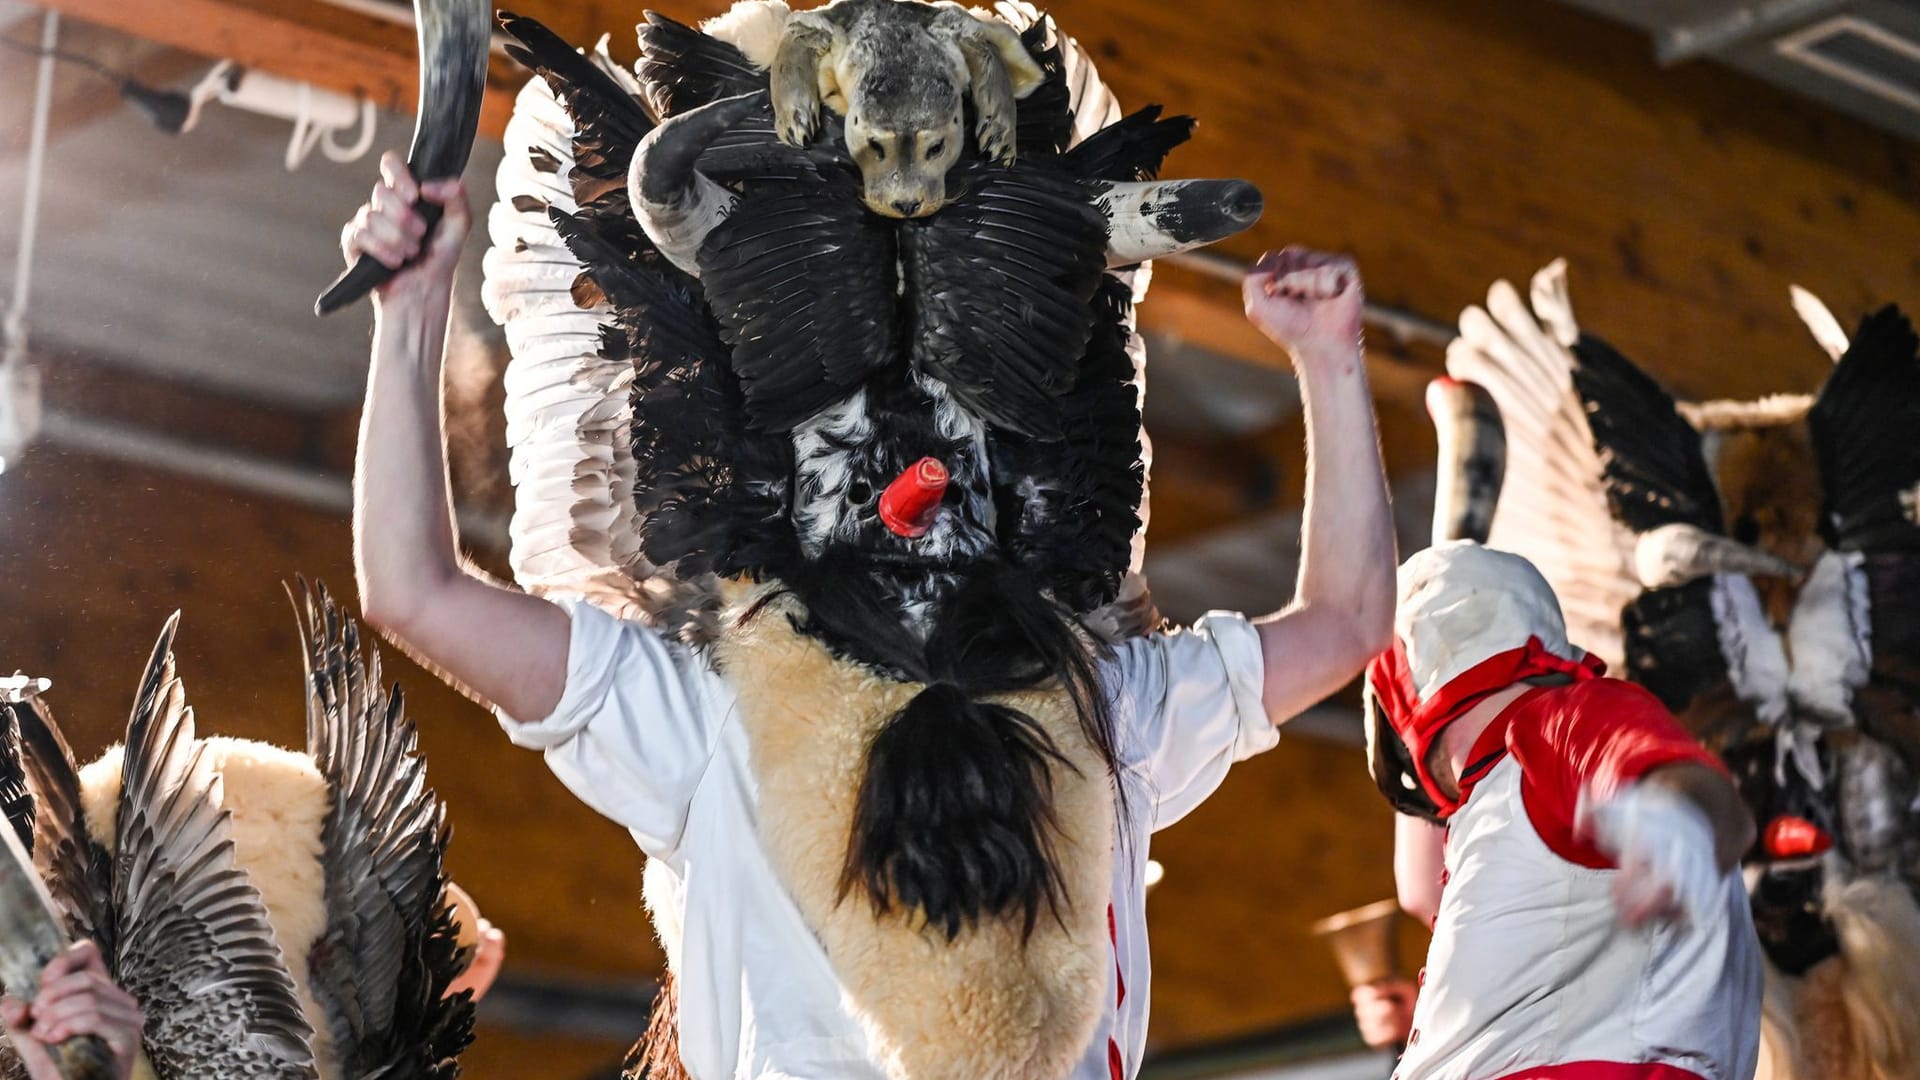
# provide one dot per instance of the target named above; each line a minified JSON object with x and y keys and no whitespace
{"x":1553,"y":506}
{"x":568,"y":418}
{"x":191,"y":938}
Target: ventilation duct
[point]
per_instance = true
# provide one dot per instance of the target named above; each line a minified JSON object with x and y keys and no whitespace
{"x":1859,"y":56}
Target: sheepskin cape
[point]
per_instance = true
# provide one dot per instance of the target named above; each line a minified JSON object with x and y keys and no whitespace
{"x":987,"y":1005}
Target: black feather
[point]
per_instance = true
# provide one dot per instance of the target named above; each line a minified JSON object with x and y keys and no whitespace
{"x":682,"y":69}
{"x":802,"y":279}
{"x":1655,"y":471}
{"x":1000,"y":284}
{"x":16,"y":797}
{"x":383,"y":964}
{"x":1071,"y":517}
{"x":1673,"y":649}
{"x":77,"y":870}
{"x":1134,"y":148}
{"x":1865,"y":425}
{"x":1043,"y":121}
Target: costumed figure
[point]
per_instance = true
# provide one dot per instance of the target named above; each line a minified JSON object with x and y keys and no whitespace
{"x":1753,"y":564}
{"x":262,"y":912}
{"x":1591,"y":920}
{"x":826,"y":435}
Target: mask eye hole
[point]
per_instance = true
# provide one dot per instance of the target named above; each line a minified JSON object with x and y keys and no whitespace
{"x":879,"y":150}
{"x":859,"y":492}
{"x":934,"y":150}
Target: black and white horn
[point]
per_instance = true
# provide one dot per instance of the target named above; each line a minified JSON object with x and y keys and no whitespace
{"x":1673,"y":555}
{"x":1155,"y":218}
{"x":1472,"y":462}
{"x":455,"y":36}
{"x":676,"y":204}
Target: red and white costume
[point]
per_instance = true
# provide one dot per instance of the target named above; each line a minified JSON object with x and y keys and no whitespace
{"x":1531,"y":974}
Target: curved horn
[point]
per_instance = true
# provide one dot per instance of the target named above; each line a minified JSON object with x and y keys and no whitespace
{"x":1676,"y":554}
{"x":1473,"y":459}
{"x":1150,"y":219}
{"x":675,"y":204}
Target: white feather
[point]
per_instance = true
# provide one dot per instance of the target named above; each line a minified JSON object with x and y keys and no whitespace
{"x":573,"y":530}
{"x":752,"y":26}
{"x":1831,"y":637}
{"x":1826,"y":329}
{"x":1553,"y":506}
{"x":1756,"y":659}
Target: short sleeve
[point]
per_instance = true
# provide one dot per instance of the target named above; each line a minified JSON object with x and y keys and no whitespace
{"x":1592,"y":738}
{"x":635,"y":727}
{"x":1187,"y":707}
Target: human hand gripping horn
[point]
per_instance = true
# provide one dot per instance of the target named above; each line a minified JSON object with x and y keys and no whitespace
{"x":454,"y":38}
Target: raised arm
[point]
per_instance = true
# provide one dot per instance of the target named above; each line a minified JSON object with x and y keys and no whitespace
{"x":1342,"y":610}
{"x":1419,"y":859}
{"x":504,"y":646}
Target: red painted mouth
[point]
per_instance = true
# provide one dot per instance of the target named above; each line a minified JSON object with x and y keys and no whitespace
{"x":912,"y":501}
{"x":1791,"y":837}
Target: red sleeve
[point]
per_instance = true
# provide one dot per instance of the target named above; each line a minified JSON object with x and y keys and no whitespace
{"x":1595,"y":736}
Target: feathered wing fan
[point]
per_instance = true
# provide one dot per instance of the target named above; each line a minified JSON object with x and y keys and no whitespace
{"x":382,"y":966}
{"x":16,"y":792}
{"x":1678,"y":634}
{"x":1863,"y":426}
{"x":192,"y":940}
{"x":1004,"y":278}
{"x":682,"y":69}
{"x":568,"y":414}
{"x":77,"y":872}
{"x":802,"y":278}
{"x":1553,"y":509}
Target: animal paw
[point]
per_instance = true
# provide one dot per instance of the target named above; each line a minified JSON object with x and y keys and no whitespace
{"x":795,"y":125}
{"x":997,"y":143}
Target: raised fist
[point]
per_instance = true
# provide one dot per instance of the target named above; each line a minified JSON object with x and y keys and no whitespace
{"x":1307,"y":301}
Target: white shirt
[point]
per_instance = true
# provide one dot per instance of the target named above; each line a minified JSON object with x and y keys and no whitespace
{"x":647,"y":734}
{"x":1531,"y":973}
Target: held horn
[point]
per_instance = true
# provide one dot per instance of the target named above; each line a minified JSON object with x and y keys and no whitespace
{"x":676,"y":204}
{"x":454,"y":38}
{"x":1150,"y":219}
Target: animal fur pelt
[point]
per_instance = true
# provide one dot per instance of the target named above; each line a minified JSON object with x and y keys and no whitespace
{"x":997,"y":999}
{"x":1856,"y":1016}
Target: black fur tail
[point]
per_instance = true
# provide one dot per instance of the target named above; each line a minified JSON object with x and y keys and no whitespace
{"x":955,"y":814}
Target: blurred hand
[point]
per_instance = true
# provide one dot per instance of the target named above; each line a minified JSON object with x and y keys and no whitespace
{"x":76,"y":997}
{"x":489,"y":955}
{"x":1384,"y":1011}
{"x":1665,"y":848}
{"x":1308,"y":302}
{"x":390,"y":230}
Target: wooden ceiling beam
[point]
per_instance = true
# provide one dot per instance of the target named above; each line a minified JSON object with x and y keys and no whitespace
{"x":340,"y":50}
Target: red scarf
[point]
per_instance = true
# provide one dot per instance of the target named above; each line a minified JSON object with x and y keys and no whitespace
{"x":1419,"y":723}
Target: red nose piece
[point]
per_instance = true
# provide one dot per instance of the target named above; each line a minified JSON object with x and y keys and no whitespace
{"x":1790,"y":837}
{"x":909,"y":504}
